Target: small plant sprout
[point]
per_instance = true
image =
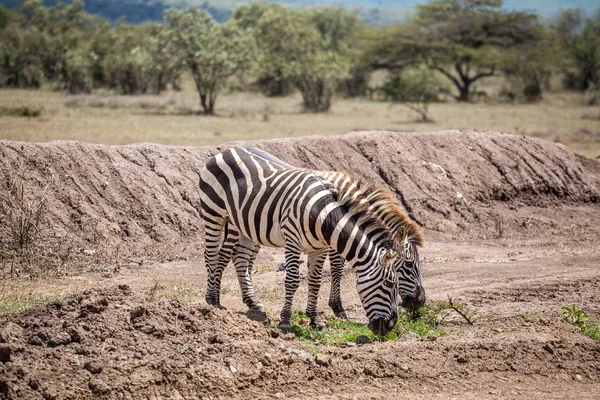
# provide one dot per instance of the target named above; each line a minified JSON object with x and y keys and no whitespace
{"x":581,"y":319}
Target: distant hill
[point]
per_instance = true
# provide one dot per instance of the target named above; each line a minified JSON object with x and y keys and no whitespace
{"x":374,"y":12}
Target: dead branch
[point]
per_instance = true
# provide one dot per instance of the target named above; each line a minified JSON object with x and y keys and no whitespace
{"x":456,"y":308}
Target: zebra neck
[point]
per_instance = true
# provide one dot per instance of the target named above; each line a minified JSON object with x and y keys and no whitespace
{"x":354,"y":241}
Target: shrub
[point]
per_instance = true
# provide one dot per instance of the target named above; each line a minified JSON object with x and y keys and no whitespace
{"x":23,"y":111}
{"x":592,"y":95}
{"x":415,"y":89}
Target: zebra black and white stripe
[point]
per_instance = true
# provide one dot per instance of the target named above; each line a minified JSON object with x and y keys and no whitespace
{"x":407,"y":265}
{"x":281,"y":206}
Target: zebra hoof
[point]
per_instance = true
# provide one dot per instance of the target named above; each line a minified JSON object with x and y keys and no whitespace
{"x":284,"y":328}
{"x":258,"y":308}
{"x":342,"y":315}
{"x":317,"y":325}
{"x":257,"y":315}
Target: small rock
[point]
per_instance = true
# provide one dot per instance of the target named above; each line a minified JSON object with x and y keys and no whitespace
{"x":76,"y":334}
{"x":289,"y":360}
{"x":362,"y":339}
{"x":137,"y":312}
{"x":232,"y":369}
{"x":5,"y":352}
{"x":322,"y":359}
{"x":549,"y":348}
{"x":93,"y":366}
{"x":275,"y":333}
{"x":280,"y":395}
{"x":10,"y":333}
{"x":578,"y":378}
{"x":462,"y":359}
{"x":49,"y":394}
{"x":216,"y":339}
{"x":303,"y":354}
{"x":369,"y":371}
{"x":59,"y":339}
{"x":98,"y":387}
{"x":267,"y":359}
{"x":498,"y":330}
{"x":289,"y":336}
{"x":259,"y":365}
{"x":33,"y":383}
{"x":404,"y":368}
{"x":348,"y":344}
{"x":408,"y":336}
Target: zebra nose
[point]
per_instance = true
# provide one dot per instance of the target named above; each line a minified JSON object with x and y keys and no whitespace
{"x":414,"y":300}
{"x":382,"y":326}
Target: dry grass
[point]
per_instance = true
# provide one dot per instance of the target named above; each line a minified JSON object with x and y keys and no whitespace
{"x":170,"y":118}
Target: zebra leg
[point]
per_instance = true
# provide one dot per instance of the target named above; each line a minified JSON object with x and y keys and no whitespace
{"x":292,"y":280}
{"x":213,"y":228}
{"x":243,"y":259}
{"x":315,"y":273}
{"x":335,"y":298}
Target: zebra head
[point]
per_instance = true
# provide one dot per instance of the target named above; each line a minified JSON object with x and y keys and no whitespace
{"x":408,"y":269}
{"x":378,"y":290}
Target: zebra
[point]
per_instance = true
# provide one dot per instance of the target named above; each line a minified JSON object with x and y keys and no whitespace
{"x":407,"y":267}
{"x":281,"y":206}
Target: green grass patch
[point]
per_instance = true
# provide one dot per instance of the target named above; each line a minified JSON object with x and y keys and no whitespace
{"x":337,"y":331}
{"x":19,"y":304}
{"x":581,"y":319}
{"x":23,"y":111}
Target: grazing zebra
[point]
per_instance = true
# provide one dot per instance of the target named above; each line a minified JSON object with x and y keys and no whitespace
{"x":277,"y":205}
{"x":407,"y":265}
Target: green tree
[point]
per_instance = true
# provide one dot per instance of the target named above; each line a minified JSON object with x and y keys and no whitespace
{"x":62,"y":32}
{"x":294,"y":46}
{"x":4,"y":17}
{"x":247,"y":16}
{"x":212,"y":51}
{"x":127,"y":66}
{"x":137,"y":58}
{"x":272,"y":82}
{"x":580,"y":40}
{"x":20,"y":61}
{"x":344,"y":33}
{"x":462,"y":39}
{"x":166,"y":61}
{"x":529,"y":67}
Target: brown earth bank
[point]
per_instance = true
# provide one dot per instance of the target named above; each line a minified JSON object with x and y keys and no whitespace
{"x":512,"y":231}
{"x":456,"y":182}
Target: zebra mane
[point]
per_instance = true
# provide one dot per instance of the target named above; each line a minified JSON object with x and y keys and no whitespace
{"x":374,"y":203}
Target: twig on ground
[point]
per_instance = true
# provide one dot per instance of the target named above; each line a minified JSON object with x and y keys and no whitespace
{"x":457,"y":308}
{"x":436,"y":166}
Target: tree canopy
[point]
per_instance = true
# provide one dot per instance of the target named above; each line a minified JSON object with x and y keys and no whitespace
{"x":212,"y":51}
{"x":462,"y":39}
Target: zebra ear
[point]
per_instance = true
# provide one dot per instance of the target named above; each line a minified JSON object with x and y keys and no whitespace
{"x":389,"y":256}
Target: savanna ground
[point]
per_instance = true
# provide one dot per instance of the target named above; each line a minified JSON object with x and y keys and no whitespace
{"x":137,"y":327}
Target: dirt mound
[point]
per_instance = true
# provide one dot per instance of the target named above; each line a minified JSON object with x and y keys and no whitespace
{"x":447,"y":181}
{"x":114,"y":344}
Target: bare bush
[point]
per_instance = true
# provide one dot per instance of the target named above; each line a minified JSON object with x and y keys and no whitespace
{"x":24,"y":220}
